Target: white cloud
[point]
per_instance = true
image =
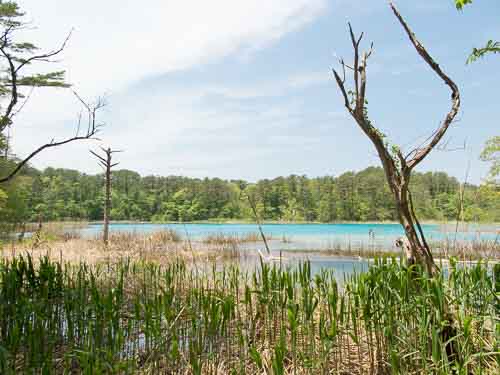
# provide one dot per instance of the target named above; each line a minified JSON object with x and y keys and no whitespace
{"x":164,"y":134}
{"x":246,"y":128}
{"x":308,"y":79}
{"x":118,"y":42}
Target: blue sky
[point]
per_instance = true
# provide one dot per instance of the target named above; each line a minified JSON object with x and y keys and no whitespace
{"x":244,"y":89}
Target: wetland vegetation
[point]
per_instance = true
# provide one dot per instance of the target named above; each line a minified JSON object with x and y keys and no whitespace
{"x":142,"y":317}
{"x":79,"y":299}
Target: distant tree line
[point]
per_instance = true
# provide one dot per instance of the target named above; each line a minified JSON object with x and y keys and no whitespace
{"x":63,"y":194}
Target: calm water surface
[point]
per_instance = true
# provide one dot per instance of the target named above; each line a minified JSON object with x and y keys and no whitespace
{"x":300,"y":236}
{"x":303,"y":237}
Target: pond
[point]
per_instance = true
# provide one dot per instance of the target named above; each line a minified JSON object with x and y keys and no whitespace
{"x":305,"y":236}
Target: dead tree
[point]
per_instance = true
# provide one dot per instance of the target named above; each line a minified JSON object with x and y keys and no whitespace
{"x":397,"y":167}
{"x":106,"y":162}
{"x":89,"y":133}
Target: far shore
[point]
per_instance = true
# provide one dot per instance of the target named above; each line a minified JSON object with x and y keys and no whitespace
{"x":278,"y":222}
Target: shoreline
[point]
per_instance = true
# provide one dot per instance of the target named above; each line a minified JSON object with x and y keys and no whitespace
{"x":161,"y":244}
{"x":270,"y":222}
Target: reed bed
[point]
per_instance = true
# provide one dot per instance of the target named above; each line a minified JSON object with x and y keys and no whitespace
{"x":228,"y":239}
{"x":48,"y":231}
{"x":471,"y":250}
{"x":55,"y":229}
{"x":133,"y":316}
{"x":463,"y":250}
{"x":160,"y":247}
{"x":232,"y":246}
{"x":467,"y":250}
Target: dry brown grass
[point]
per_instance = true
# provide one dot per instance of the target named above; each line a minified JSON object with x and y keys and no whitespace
{"x":236,"y":239}
{"x":161,"y":247}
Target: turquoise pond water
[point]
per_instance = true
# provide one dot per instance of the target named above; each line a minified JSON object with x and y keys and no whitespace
{"x":302,"y":236}
{"x":305,"y":237}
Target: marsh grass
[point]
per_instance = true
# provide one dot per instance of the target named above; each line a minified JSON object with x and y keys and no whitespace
{"x":57,"y":230}
{"x":50,"y":231}
{"x":229,"y":239}
{"x":475,"y":249}
{"x":159,"y":247}
{"x":134,"y":316}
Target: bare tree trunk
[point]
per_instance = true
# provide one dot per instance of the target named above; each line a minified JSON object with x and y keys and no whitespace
{"x":257,"y":220}
{"x":397,"y":167}
{"x":107,"y":165}
{"x":107,"y":200}
{"x":38,"y":232}
{"x":416,"y":249}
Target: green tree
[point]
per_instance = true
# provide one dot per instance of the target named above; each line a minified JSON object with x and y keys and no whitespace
{"x":491,"y":153}
{"x":20,"y":74}
{"x":60,"y":194}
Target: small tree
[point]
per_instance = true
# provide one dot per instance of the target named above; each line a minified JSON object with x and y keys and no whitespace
{"x":106,"y":162}
{"x":491,"y":153}
{"x":17,"y":66}
{"x":397,"y":167}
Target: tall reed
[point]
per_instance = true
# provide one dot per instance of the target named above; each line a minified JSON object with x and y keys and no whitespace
{"x":136,"y":316}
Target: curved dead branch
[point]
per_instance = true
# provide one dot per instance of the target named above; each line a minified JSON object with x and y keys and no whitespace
{"x":397,"y":167}
{"x":422,"y":152}
{"x":93,"y":128}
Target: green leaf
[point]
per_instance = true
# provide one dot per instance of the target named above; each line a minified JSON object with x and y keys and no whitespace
{"x":461,"y":3}
{"x":491,"y":47}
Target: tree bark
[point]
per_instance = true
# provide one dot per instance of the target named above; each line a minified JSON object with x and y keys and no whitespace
{"x":397,"y":166}
{"x":107,"y":202}
{"x":107,"y":165}
{"x":416,"y":249}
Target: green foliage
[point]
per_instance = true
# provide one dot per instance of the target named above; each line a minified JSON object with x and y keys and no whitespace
{"x":14,"y":199}
{"x":62,"y":194}
{"x":461,"y":3}
{"x":491,"y":47}
{"x":125,"y":317}
{"x":53,"y":79}
{"x":9,"y":11}
{"x":491,"y":153}
{"x":19,"y":71}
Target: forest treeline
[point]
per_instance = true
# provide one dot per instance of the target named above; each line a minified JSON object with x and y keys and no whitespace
{"x":63,"y":194}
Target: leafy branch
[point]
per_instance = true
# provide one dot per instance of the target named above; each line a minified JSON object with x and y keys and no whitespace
{"x":490,"y":47}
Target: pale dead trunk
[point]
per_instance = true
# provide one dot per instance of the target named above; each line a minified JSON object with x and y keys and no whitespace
{"x":107,"y":165}
{"x":397,"y":166}
{"x":107,"y":202}
{"x":416,"y":248}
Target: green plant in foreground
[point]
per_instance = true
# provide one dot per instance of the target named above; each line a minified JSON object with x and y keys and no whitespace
{"x":125,"y":317}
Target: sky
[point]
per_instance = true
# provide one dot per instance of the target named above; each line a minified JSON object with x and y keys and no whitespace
{"x":244,"y":90}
